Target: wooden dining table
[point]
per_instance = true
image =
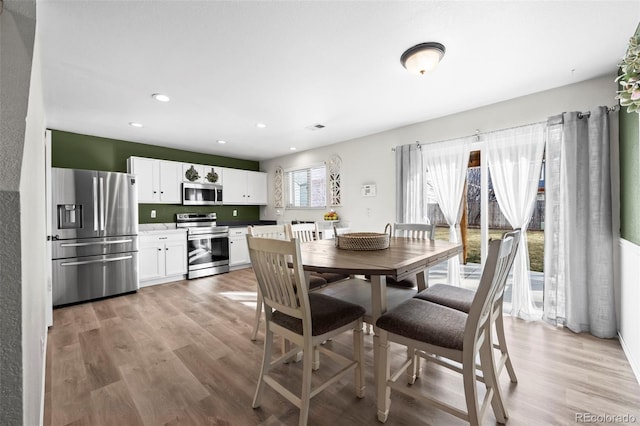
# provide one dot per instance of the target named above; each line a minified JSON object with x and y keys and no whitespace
{"x":404,"y":258}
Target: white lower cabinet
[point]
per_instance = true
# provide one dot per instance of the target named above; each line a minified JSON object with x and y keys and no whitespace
{"x":162,"y":257}
{"x":238,"y":248}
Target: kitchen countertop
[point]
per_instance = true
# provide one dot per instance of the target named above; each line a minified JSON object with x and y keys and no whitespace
{"x":158,"y":228}
{"x":241,"y":223}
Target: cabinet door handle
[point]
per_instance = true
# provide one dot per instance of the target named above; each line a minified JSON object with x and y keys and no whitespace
{"x":159,"y":249}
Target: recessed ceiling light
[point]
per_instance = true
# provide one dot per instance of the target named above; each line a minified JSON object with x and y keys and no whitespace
{"x":160,"y":97}
{"x":293,"y":148}
{"x":134,"y":124}
{"x":261,"y":125}
{"x":221,"y":141}
{"x":316,"y":126}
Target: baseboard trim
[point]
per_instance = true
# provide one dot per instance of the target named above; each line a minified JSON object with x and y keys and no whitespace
{"x":635,"y":368}
{"x":44,"y":375}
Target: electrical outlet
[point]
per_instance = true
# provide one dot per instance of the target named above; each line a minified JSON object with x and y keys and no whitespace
{"x":153,"y":214}
{"x":235,"y":213}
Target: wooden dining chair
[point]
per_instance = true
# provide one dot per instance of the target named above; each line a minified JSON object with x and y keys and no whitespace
{"x":309,"y":232}
{"x":420,"y":231}
{"x":277,"y":232}
{"x":450,"y":338}
{"x":303,"y":318}
{"x":461,"y":299}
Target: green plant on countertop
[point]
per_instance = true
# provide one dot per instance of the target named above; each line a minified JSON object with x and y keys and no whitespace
{"x":629,"y":80}
{"x":192,"y":174}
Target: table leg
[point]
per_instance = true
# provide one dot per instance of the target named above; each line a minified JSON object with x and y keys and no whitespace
{"x":423,"y":279}
{"x":378,"y":307}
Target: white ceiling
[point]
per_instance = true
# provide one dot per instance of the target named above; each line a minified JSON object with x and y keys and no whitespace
{"x":229,"y":65}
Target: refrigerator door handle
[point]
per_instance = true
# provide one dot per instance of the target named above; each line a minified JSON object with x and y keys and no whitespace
{"x":95,"y":204}
{"x":99,"y":243}
{"x":88,"y":262}
{"x":102,"y":208}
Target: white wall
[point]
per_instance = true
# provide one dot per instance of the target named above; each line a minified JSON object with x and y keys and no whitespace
{"x":33,"y":233}
{"x":17,"y":29}
{"x":370,"y":160}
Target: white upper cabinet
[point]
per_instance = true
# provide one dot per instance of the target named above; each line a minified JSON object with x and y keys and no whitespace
{"x":244,"y":187}
{"x":170,"y":188}
{"x":257,"y":187}
{"x":158,"y":181}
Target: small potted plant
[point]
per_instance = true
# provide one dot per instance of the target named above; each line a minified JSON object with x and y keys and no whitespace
{"x":212,"y":176}
{"x":629,"y":79}
{"x":192,"y":174}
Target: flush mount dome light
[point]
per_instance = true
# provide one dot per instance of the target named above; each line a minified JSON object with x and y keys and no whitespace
{"x":423,"y":57}
{"x":134,"y":124}
{"x":160,"y":97}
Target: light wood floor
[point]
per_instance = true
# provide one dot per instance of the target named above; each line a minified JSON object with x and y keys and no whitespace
{"x":180,"y":353}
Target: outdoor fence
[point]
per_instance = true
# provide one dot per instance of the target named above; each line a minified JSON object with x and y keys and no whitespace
{"x":496,"y":218}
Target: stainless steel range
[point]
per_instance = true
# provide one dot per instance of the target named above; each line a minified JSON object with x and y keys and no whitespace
{"x":207,"y":244}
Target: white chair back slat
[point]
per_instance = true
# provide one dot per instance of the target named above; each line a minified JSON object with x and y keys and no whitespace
{"x":305,"y":232}
{"x":415,"y":230}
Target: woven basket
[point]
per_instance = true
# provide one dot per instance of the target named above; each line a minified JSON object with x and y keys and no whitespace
{"x":364,"y":240}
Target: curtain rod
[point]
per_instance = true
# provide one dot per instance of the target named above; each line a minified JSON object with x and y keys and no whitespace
{"x":477,"y":134}
{"x":588,"y":113}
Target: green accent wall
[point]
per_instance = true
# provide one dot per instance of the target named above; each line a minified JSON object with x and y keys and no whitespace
{"x":630,"y":174}
{"x":76,"y":151}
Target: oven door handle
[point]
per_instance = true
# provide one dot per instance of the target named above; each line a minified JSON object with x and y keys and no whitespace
{"x":206,"y":236}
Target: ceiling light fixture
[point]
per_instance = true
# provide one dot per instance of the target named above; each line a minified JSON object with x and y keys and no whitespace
{"x":293,"y":148}
{"x":160,"y":97}
{"x":261,"y":125}
{"x":423,"y":57}
{"x":134,"y":124}
{"x":220,"y":141}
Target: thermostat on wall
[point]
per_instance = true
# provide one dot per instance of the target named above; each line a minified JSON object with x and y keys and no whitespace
{"x":368,"y":190}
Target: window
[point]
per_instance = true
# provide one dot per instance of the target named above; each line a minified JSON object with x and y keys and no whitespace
{"x":307,"y":187}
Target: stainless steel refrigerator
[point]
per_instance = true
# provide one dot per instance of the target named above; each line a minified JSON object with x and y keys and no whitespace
{"x":95,"y":227}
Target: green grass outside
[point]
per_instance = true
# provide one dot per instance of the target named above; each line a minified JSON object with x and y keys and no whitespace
{"x":535,"y":240}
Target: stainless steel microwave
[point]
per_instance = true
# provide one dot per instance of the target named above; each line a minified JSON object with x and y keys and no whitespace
{"x":201,"y":194}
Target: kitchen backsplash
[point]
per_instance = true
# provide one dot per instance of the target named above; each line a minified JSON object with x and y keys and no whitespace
{"x":167,"y":212}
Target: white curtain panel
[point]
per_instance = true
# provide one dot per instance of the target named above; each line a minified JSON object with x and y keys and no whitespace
{"x":579,"y":290}
{"x":514,"y":157}
{"x":447,"y":164}
{"x":409,"y":184}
